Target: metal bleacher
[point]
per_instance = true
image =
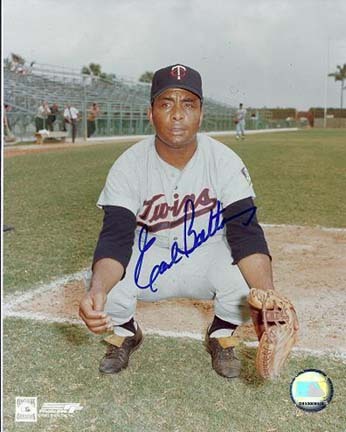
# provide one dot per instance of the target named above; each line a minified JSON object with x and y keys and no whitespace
{"x":123,"y":103}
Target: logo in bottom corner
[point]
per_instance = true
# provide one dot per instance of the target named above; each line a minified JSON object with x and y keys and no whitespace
{"x":311,"y":390}
{"x":52,"y":409}
{"x":26,"y":409}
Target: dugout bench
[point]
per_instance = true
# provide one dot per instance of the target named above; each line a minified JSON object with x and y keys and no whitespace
{"x":47,"y":135}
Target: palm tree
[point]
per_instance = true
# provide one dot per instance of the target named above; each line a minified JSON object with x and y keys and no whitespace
{"x":340,"y":75}
{"x":95,"y":70}
{"x":92,"y":69}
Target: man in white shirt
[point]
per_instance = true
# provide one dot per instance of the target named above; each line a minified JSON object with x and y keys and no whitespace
{"x":71,"y":115}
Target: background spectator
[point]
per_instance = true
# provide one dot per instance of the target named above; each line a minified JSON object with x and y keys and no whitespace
{"x":93,"y":113}
{"x":41,"y":116}
{"x":71,"y":115}
{"x":54,"y":109}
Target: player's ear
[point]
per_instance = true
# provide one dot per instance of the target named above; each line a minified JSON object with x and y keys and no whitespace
{"x":201,"y":117}
{"x":150,"y":114}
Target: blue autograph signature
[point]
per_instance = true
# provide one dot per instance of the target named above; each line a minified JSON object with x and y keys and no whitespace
{"x":216,"y":223}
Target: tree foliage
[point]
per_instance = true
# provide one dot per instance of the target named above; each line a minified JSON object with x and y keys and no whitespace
{"x":340,"y":75}
{"x":146,"y":77}
{"x":17,"y":58}
{"x":95,"y":70}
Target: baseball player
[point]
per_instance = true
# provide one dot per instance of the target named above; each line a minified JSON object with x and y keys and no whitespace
{"x":179,"y":221}
{"x":240,"y":122}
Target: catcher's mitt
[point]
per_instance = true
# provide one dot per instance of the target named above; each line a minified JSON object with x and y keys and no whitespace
{"x":276,"y":325}
{"x":236,"y":121}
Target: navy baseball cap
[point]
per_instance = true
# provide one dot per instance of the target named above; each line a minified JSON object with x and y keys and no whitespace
{"x":176,"y":76}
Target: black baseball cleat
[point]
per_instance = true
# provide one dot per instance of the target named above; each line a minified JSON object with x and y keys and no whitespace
{"x":223,"y":358}
{"x":118,"y":352}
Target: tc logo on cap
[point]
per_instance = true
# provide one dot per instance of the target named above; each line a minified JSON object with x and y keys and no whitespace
{"x":178,"y":71}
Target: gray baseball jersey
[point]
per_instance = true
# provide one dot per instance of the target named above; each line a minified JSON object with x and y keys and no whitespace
{"x":156,"y":192}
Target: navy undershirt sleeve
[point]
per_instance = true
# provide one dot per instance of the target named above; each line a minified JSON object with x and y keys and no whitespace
{"x":244,"y":238}
{"x":117,"y":235}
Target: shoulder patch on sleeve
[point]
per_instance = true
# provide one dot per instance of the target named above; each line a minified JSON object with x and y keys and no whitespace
{"x":246,"y":174}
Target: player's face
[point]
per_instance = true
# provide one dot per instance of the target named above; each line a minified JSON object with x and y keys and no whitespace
{"x":176,"y":115}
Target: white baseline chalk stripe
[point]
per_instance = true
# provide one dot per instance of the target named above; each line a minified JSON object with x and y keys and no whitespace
{"x":11,"y":301}
{"x":198,"y":336}
{"x":40,"y":316}
{"x":340,"y":355}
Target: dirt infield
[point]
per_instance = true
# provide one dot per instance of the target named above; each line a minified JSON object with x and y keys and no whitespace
{"x":20,"y":150}
{"x":309,"y":267}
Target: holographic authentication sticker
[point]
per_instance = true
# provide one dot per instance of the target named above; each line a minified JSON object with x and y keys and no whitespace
{"x":311,"y":390}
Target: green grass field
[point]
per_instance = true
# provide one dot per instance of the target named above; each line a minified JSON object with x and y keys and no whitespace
{"x":169,"y":386}
{"x":299,"y":178}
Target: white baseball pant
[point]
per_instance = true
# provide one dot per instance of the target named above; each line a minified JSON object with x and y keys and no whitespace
{"x":208,"y":273}
{"x":240,"y":128}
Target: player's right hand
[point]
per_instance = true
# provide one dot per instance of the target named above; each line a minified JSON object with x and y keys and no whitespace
{"x":91,"y":311}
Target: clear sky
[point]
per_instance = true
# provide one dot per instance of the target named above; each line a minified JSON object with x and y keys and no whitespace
{"x":259,"y":52}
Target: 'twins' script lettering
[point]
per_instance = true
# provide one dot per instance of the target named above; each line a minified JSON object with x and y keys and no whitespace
{"x":158,"y":215}
{"x":178,"y":252}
